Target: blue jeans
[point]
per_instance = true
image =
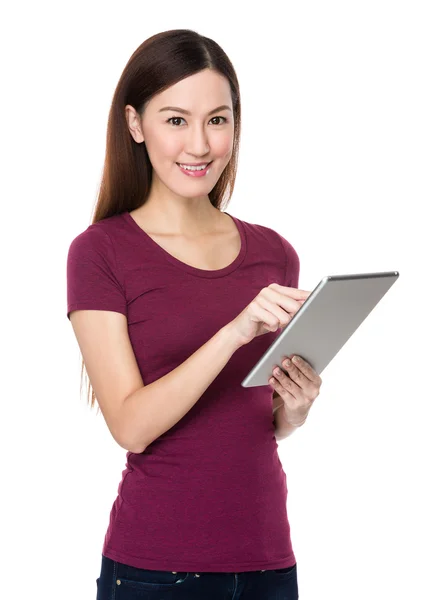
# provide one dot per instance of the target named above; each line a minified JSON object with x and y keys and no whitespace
{"x":118,"y":581}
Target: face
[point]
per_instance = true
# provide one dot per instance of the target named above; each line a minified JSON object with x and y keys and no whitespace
{"x":172,"y":136}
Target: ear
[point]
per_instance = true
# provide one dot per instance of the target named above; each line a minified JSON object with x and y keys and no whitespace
{"x":133,"y":123}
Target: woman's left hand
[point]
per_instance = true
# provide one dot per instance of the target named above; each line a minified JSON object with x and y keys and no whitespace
{"x":298,"y":388}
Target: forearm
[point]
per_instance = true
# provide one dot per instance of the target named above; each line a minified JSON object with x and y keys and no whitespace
{"x":282,"y":427}
{"x":150,"y":411}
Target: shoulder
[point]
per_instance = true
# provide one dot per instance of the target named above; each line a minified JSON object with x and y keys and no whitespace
{"x":96,"y":237}
{"x":260,"y":231}
{"x":272,"y":237}
{"x":279,"y":246}
{"x":92,"y":253}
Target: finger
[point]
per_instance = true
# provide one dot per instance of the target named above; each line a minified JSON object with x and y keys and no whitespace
{"x":306,"y":369}
{"x":296,"y":376}
{"x":277,"y":312}
{"x":281,"y":305}
{"x":295,"y":293}
{"x":290,"y":385}
{"x":287,"y":395}
{"x":297,"y":385}
{"x":278,"y":387}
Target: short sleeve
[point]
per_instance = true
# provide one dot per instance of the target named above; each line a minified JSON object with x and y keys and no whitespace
{"x":93,"y":280}
{"x":292,"y":265}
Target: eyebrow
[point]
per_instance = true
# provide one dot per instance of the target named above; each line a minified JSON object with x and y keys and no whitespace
{"x":186,"y":112}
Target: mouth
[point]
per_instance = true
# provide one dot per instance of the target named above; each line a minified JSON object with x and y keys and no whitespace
{"x":195,"y":170}
{"x":200,"y":164}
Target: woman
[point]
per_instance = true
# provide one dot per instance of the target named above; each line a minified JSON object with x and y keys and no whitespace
{"x":165,"y":293}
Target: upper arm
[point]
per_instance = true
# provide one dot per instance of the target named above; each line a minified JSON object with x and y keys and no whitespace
{"x":97,"y":309}
{"x":110,"y":362}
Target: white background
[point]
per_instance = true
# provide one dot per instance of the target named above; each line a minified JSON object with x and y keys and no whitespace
{"x":339,"y":154}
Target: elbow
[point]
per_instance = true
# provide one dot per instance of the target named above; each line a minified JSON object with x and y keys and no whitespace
{"x":137,"y":449}
{"x":133,"y":446}
{"x":130,"y":447}
{"x":129,"y":437}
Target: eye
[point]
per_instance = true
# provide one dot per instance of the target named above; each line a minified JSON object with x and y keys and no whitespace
{"x":223,"y":118}
{"x":181,"y":119}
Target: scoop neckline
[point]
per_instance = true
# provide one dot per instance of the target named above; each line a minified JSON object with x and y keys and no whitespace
{"x":189,"y":268}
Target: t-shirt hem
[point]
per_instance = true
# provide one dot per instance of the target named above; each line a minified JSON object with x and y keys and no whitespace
{"x":199,"y":566}
{"x":95,"y":306}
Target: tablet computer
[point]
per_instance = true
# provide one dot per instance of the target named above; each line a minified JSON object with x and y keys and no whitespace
{"x":324,"y":322}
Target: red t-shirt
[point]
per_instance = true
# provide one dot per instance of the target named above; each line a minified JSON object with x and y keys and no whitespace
{"x":210,"y":493}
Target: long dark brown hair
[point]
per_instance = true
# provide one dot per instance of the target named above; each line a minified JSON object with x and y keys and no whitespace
{"x":158,"y":63}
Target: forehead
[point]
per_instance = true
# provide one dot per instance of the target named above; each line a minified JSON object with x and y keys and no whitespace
{"x":197,"y":93}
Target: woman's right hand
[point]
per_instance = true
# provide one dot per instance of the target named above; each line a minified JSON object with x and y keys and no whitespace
{"x":273,"y":307}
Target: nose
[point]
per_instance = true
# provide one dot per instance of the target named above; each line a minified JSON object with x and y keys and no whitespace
{"x":198,"y":143}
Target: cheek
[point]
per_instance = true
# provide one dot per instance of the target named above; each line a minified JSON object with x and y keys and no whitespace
{"x":222,"y":147}
{"x":168,"y":147}
{"x":162,"y":146}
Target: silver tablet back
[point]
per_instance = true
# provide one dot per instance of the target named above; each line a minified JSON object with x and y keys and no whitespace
{"x":324,"y":322}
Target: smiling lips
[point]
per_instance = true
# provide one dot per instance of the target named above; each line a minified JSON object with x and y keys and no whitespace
{"x":195,"y":171}
{"x":199,"y":164}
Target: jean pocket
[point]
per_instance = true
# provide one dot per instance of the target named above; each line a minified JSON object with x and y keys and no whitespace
{"x":285,"y":572}
{"x":144,"y":579}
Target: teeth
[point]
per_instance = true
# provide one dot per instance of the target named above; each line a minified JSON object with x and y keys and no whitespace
{"x":192,"y":168}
